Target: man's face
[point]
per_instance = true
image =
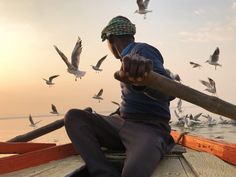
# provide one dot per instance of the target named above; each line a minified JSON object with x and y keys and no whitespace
{"x":112,"y":48}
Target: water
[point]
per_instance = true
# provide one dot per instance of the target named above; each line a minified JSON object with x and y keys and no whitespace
{"x":12,"y":126}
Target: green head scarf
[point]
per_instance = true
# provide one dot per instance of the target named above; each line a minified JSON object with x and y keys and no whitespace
{"x":118,"y":26}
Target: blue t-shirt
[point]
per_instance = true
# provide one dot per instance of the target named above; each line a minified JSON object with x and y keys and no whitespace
{"x":137,"y":102}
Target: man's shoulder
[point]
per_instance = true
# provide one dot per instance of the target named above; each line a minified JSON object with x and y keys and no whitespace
{"x":141,"y":45}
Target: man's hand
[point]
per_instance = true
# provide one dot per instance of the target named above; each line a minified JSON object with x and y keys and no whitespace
{"x":134,"y":69}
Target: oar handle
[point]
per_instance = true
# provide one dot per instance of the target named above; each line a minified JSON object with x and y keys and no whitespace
{"x":163,"y":84}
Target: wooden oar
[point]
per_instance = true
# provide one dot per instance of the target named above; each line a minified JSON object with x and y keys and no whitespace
{"x":170,"y":87}
{"x":41,"y":131}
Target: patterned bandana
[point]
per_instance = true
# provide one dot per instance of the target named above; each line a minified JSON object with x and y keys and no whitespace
{"x":118,"y":26}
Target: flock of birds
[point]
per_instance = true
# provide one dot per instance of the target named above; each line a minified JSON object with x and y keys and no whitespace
{"x":190,"y":121}
{"x":187,"y":120}
{"x":210,"y":83}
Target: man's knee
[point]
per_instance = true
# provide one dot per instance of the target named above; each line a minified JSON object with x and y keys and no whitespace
{"x":74,"y":116}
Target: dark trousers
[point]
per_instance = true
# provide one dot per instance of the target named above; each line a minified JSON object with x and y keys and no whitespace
{"x":144,"y":144}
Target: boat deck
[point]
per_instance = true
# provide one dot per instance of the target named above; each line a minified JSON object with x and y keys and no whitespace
{"x":189,"y":164}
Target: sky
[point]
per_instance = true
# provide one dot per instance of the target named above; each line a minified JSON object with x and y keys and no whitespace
{"x":183,"y":31}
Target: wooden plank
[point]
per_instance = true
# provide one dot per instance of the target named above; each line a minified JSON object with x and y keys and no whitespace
{"x":207,"y":165}
{"x":172,"y":167}
{"x":56,"y":168}
{"x":19,"y":148}
{"x":223,"y":150}
{"x":38,"y":157}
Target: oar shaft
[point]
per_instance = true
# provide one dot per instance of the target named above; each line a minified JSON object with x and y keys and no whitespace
{"x":172,"y":88}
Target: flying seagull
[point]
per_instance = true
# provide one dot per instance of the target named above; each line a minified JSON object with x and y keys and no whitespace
{"x":210,"y":84}
{"x":173,"y":76}
{"x":73,"y":67}
{"x":195,"y":65}
{"x":142,"y":7}
{"x":32,"y":123}
{"x":54,"y":109}
{"x":99,"y":95}
{"x":97,"y":67}
{"x":49,"y":80}
{"x":214,"y":58}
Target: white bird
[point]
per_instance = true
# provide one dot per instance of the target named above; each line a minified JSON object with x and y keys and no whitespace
{"x":49,"y":80}
{"x":195,"y":65}
{"x":99,"y":95}
{"x":54,"y":109}
{"x":142,"y":7}
{"x":196,"y":117}
{"x":73,"y":67}
{"x":97,"y":67}
{"x":210,"y":120}
{"x":214,"y":58}
{"x":32,"y":123}
{"x":210,"y":84}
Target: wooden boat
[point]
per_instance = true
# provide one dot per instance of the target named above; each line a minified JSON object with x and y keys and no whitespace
{"x":197,"y":156}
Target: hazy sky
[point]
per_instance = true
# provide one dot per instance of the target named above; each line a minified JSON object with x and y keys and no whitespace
{"x":183,"y":30}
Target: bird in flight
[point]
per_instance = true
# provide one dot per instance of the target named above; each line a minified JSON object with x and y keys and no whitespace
{"x":142,"y":7}
{"x":115,"y":103}
{"x":214,"y":58}
{"x":73,"y":67}
{"x":97,"y":67}
{"x":195,"y":65}
{"x":173,"y":76}
{"x":49,"y":80}
{"x":210,"y":84}
{"x":98,"y":95}
{"x":32,"y":123}
{"x":54,"y":109}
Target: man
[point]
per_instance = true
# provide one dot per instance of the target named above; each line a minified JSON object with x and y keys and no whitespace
{"x":140,"y":126}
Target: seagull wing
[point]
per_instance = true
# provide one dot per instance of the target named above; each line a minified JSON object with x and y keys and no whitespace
{"x":207,"y":84}
{"x":197,"y":116}
{"x":145,"y":3}
{"x":100,"y":93}
{"x":212,"y":82}
{"x":52,"y":77}
{"x":54,"y":109}
{"x":75,"y":56}
{"x":115,"y":103}
{"x":100,"y":61}
{"x":64,"y":58}
{"x":140,"y":5}
{"x":176,"y":114}
{"x":31,"y":119}
{"x":179,"y":104}
{"x":215,"y":56}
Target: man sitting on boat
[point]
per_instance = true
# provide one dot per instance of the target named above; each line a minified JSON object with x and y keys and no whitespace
{"x":141,"y":126}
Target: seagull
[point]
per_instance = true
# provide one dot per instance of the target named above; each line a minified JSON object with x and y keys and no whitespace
{"x":214,"y":58}
{"x":195,"y":65}
{"x":99,"y":95}
{"x":49,"y":80}
{"x":73,"y":67}
{"x":196,"y":117}
{"x":211,"y":85}
{"x":97,"y":67}
{"x":210,"y":120}
{"x":54,"y":109}
{"x":175,"y":77}
{"x":180,"y":119}
{"x":142,"y":7}
{"x":32,"y":123}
